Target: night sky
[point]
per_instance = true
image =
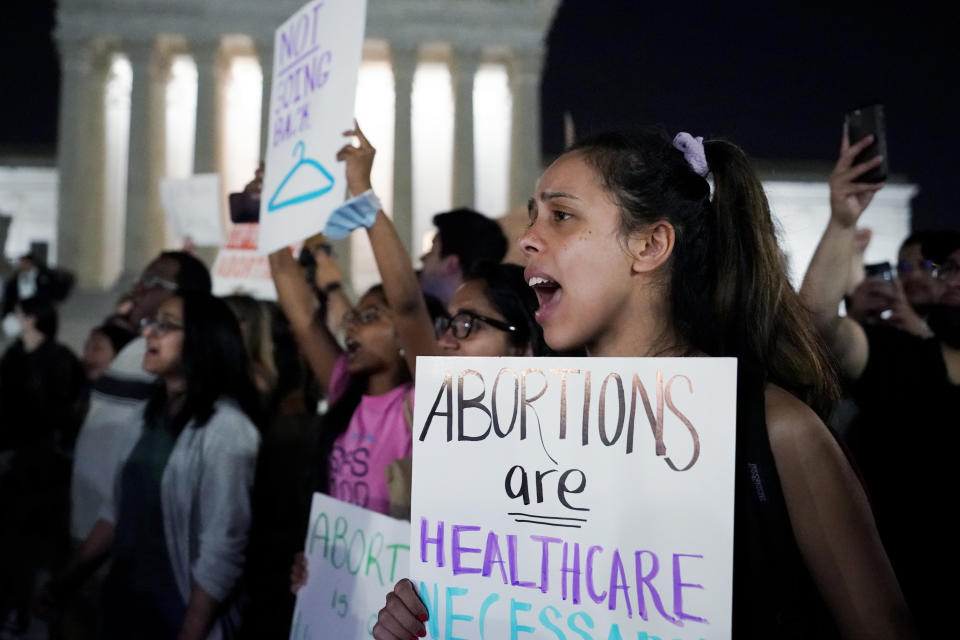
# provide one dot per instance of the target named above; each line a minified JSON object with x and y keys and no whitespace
{"x":775,"y":79}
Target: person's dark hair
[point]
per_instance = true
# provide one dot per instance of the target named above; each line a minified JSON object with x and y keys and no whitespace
{"x":43,"y":312}
{"x":214,"y":362}
{"x":192,"y":274}
{"x":471,"y":236}
{"x":507,"y":290}
{"x":938,"y":245}
{"x":917,"y":237}
{"x":728,"y":279}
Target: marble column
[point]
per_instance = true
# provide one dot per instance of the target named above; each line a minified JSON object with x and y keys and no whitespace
{"x":145,"y":228}
{"x":404,"y":62}
{"x":525,"y":160}
{"x":207,"y":149}
{"x":265,"y":54}
{"x":463,"y":69}
{"x":82,"y":164}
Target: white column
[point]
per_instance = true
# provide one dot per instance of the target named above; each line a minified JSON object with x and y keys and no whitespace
{"x":404,"y":62}
{"x":265,"y":53}
{"x":145,"y":229}
{"x":525,"y":138}
{"x":207,"y":154}
{"x":463,"y":68}
{"x":81,"y":162}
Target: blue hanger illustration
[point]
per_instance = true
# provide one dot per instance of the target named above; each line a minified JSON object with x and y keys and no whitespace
{"x":300,"y":150}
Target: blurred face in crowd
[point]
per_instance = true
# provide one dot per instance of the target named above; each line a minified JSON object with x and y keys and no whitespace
{"x":469,"y":334}
{"x":438,"y":271}
{"x":916,"y":276}
{"x":576,"y":260}
{"x":950,"y":280}
{"x":164,"y":335}
{"x":98,"y":353}
{"x":157,"y":283}
{"x":371,"y":340}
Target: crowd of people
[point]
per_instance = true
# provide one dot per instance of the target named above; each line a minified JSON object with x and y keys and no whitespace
{"x":158,"y":487}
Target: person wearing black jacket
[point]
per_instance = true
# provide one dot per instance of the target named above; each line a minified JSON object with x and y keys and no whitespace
{"x":42,"y":402}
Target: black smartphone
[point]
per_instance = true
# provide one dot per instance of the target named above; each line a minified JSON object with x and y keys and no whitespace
{"x":244,"y":208}
{"x":861,"y":123}
{"x":879,"y":271}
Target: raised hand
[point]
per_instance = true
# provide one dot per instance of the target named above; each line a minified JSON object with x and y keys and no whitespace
{"x":328,"y":271}
{"x":849,"y":199}
{"x":403,"y":615}
{"x":359,"y":161}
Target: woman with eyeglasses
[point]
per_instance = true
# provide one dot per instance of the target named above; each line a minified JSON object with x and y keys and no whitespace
{"x":367,"y":385}
{"x":176,"y":528}
{"x":490,"y":314}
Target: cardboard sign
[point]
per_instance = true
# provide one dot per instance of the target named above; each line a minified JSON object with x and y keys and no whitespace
{"x":354,"y":557}
{"x":193,"y":208}
{"x":574,"y":497}
{"x":316,"y":60}
{"x":240,"y":268}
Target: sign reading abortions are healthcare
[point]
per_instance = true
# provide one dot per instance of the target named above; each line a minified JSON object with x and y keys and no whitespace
{"x":354,"y":557}
{"x":587,"y":498}
{"x":316,"y":60}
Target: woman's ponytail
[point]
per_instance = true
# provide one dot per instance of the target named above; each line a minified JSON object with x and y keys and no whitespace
{"x":762,"y":316}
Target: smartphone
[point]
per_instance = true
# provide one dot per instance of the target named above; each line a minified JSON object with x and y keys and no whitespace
{"x":861,"y":123}
{"x":880,"y":271}
{"x":244,"y":208}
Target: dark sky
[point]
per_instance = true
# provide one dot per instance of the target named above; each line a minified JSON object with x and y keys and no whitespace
{"x":775,"y":79}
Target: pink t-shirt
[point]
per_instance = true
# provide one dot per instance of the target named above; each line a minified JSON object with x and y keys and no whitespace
{"x":376,"y":436}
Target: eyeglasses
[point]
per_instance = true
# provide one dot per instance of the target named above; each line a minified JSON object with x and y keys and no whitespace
{"x":461,"y":324}
{"x":905,"y":267}
{"x":159,"y":326}
{"x":366,"y":315}
{"x":156,"y":282}
{"x":946,"y":271}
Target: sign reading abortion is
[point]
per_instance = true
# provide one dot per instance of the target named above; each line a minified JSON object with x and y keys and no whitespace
{"x":316,"y":60}
{"x":354,"y":557}
{"x":587,"y":498}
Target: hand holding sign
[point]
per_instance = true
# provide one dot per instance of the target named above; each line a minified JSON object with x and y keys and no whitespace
{"x":403,"y":615}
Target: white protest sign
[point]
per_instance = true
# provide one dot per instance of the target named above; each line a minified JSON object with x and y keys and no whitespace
{"x":240,"y":268}
{"x":193,"y":208}
{"x":574,"y":497}
{"x":354,"y":557}
{"x":316,"y":60}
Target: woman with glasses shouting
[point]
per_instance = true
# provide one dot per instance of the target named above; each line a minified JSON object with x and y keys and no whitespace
{"x":490,"y":314}
{"x":176,"y":528}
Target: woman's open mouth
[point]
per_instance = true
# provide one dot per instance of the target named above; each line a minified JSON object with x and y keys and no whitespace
{"x":351,"y":347}
{"x":549,"y":293}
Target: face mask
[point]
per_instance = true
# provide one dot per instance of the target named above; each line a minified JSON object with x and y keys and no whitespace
{"x":11,"y":326}
{"x":944,"y":321}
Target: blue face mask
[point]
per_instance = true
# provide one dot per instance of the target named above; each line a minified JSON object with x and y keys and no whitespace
{"x":944,"y":321}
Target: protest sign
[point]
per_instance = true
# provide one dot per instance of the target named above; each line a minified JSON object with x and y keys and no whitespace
{"x":574,"y":497}
{"x":316,"y":60}
{"x":240,"y":268}
{"x":193,"y":208}
{"x":354,"y":557}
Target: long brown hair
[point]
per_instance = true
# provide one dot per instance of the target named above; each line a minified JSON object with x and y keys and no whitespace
{"x":728,"y":282}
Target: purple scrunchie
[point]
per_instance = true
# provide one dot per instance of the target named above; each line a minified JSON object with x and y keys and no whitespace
{"x":693,"y":152}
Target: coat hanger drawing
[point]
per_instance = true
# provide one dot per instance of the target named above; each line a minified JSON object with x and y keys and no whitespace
{"x":299,"y":150}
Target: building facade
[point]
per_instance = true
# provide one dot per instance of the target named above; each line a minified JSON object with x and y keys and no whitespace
{"x":152,"y":88}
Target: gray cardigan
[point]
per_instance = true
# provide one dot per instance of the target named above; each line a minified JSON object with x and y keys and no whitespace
{"x":205,"y":495}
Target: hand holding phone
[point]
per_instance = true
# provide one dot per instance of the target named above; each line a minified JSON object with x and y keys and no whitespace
{"x":861,"y":123}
